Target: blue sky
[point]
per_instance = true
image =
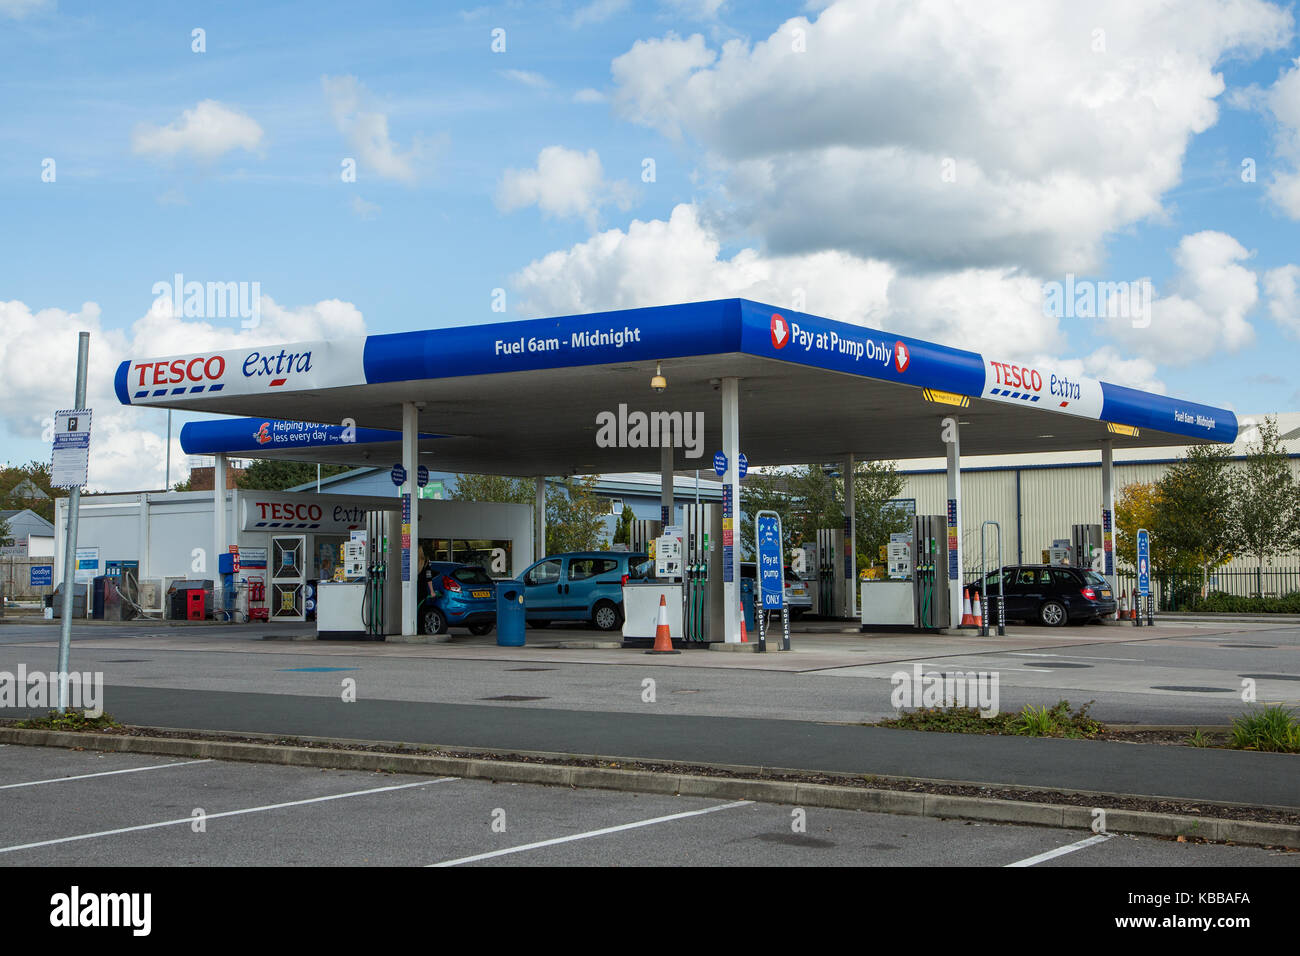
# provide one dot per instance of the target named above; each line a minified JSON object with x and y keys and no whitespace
{"x":424,"y":241}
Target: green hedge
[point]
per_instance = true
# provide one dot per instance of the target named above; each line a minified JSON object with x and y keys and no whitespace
{"x":1218,"y":601}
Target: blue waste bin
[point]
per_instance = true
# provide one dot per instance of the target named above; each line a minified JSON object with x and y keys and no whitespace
{"x":510,"y":614}
{"x":747,"y":602}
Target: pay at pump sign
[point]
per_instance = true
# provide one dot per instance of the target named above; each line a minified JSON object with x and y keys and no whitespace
{"x":771,"y":566}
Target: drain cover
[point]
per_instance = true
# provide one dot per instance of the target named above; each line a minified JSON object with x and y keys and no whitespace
{"x":1063,"y":665}
{"x":513,"y":697}
{"x":1271,"y":676}
{"x":127,"y":660}
{"x":1197,"y":690}
{"x":1252,"y":647}
{"x":530,"y":670}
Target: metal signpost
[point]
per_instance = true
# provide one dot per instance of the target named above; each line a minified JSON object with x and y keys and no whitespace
{"x":770,"y":568}
{"x":1144,"y":579}
{"x":68,"y":466}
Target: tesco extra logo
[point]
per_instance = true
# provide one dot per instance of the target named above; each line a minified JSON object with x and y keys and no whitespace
{"x":281,"y":511}
{"x":204,"y":369}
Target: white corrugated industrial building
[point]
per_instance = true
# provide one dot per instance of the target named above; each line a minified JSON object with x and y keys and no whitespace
{"x":1036,"y":498}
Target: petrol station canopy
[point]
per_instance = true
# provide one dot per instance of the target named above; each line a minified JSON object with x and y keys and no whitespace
{"x":522,"y":397}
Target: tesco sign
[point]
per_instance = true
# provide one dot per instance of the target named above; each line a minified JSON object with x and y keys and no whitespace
{"x":1018,"y":376}
{"x":200,"y":369}
{"x":287,"y":511}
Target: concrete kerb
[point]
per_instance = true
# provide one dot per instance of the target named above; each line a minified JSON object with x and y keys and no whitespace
{"x":829,"y":796}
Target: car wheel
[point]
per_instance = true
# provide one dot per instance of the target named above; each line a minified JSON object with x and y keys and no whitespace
{"x":535,"y":622}
{"x":434,"y":622}
{"x":1052,"y":614}
{"x":478,"y":630}
{"x":605,"y":616}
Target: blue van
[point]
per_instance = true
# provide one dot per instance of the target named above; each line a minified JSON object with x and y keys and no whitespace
{"x":581,"y":586}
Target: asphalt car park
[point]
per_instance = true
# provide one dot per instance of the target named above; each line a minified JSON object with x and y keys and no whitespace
{"x":63,"y":807}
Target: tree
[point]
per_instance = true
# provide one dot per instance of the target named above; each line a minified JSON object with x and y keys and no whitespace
{"x":28,"y":486}
{"x":575,"y":516}
{"x":623,"y":533}
{"x":1195,"y":516}
{"x":269,"y":474}
{"x":1265,"y":509}
{"x":493,"y":488}
{"x":810,"y":497}
{"x":6,"y":538}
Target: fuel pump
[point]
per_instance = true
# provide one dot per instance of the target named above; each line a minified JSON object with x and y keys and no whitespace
{"x":1087,"y":545}
{"x":930,"y":571}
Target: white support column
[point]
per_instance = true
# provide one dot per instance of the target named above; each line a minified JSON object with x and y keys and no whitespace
{"x":952,"y":441}
{"x":410,"y":530}
{"x":219,"y":539}
{"x":1108,"y":513}
{"x":143,"y":536}
{"x":666,"y":485}
{"x":540,"y":522}
{"x":731,"y":516}
{"x":849,"y":560}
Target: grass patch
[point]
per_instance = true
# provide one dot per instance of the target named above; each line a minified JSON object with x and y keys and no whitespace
{"x":1055,"y":721}
{"x":1270,"y":730}
{"x":74,"y":720}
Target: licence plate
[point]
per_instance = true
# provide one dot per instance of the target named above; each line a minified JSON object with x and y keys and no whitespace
{"x":481,"y":594}
{"x":1105,"y":593}
{"x":799,"y":591}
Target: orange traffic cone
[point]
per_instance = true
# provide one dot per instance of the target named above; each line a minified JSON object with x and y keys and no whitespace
{"x":976,"y":611}
{"x":967,"y":618}
{"x":663,"y":638}
{"x":744,"y":636}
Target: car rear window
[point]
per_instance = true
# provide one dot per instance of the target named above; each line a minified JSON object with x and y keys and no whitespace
{"x":471,"y":575}
{"x":1096,"y":577}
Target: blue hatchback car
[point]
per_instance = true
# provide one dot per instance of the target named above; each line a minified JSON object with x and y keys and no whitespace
{"x":580,"y":586}
{"x":463,"y":596}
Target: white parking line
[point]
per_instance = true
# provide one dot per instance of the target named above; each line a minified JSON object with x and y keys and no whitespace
{"x":590,"y":833}
{"x":1062,"y":850}
{"x":106,"y":773}
{"x":225,"y":813}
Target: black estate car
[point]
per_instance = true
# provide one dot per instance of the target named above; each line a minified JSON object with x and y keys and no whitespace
{"x":1049,"y":594}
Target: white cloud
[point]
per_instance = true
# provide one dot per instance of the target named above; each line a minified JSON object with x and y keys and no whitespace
{"x":1205,"y":310}
{"x":1282,"y":287}
{"x":566,"y":183}
{"x":528,"y":78}
{"x":697,"y":9}
{"x":38,"y":353}
{"x":589,"y":95}
{"x":363,"y":209}
{"x":366,"y":131}
{"x":680,"y":260}
{"x":17,"y":9}
{"x":1055,"y":144}
{"x":207,"y":131}
{"x":598,"y":11}
{"x":1283,"y":101}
